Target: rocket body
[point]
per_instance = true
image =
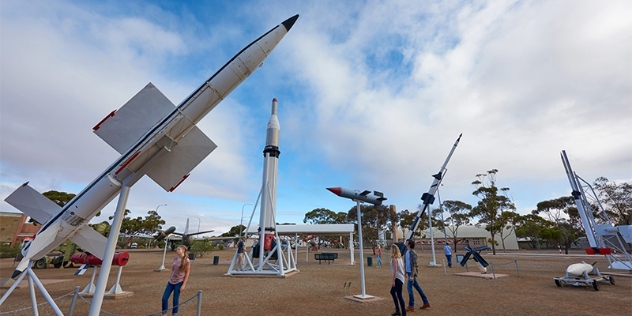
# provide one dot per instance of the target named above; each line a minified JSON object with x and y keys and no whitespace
{"x":269,"y":182}
{"x":155,"y":138}
{"x":357,"y":196}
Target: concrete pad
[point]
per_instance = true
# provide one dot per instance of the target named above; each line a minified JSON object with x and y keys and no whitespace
{"x":364,"y":300}
{"x":481,"y":275}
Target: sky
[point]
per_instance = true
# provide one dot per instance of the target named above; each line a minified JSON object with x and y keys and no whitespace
{"x":372,"y":96}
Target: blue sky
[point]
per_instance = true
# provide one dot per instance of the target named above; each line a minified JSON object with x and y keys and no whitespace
{"x":372,"y":95}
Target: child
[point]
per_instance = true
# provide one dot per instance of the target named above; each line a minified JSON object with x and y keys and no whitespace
{"x":177,"y":281}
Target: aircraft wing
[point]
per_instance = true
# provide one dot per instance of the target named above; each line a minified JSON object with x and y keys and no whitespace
{"x":90,"y":241}
{"x":32,"y":203}
{"x":198,"y":233}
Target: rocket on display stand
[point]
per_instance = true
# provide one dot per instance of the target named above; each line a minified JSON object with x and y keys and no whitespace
{"x":155,"y":138}
{"x":270,"y":169}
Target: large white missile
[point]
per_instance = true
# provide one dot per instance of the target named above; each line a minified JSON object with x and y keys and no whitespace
{"x":154,"y":138}
{"x":269,"y":182}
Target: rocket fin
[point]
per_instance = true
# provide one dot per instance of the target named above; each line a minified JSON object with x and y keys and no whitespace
{"x":90,"y":241}
{"x":32,"y":203}
{"x":122,"y":128}
{"x":172,"y":169}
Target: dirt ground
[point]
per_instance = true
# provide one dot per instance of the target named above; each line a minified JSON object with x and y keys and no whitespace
{"x":318,"y":288}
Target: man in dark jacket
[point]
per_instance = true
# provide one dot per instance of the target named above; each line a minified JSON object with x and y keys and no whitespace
{"x":411,"y":277}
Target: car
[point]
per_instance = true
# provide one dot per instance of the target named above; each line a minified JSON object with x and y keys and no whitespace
{"x":133,"y":245}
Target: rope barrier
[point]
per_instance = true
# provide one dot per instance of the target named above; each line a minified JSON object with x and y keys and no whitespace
{"x":182,"y":306}
{"x":38,"y":305}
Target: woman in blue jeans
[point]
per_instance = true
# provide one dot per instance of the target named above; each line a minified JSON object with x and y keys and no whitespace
{"x":177,"y":281}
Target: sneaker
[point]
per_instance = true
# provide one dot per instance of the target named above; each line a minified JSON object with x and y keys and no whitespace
{"x":410,"y":308}
{"x":427,"y":305}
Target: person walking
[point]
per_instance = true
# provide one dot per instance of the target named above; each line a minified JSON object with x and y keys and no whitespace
{"x":378,"y":254}
{"x":180,"y":269}
{"x":411,"y":274}
{"x":397,"y":281}
{"x":448,"y":254}
{"x":241,"y":252}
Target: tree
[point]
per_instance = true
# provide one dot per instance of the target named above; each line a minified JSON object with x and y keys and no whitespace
{"x":491,"y":204}
{"x":459,"y":216}
{"x":374,"y":218}
{"x":616,"y":199}
{"x":555,"y":210}
{"x":325,"y":216}
{"x":531,"y":226}
{"x":134,"y":226}
{"x":508,"y":221}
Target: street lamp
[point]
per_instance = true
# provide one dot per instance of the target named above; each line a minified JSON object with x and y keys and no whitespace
{"x":241,"y":220}
{"x":199,"y":221}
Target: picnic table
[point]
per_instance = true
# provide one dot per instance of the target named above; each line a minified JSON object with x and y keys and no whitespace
{"x":327,"y":256}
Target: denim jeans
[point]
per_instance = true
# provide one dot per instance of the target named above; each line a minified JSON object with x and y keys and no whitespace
{"x":398,"y":298}
{"x":379,"y":261}
{"x":411,"y":295}
{"x":449,"y":257}
{"x":175,"y":288}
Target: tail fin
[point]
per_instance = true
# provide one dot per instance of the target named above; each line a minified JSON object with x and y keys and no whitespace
{"x":32,"y":203}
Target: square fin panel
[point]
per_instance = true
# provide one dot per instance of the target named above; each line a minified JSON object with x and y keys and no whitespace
{"x":124,"y":127}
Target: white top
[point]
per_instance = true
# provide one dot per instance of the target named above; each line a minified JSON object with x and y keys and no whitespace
{"x":400,"y":269}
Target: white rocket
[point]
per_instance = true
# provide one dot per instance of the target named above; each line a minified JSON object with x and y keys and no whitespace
{"x":269,"y":185}
{"x":154,"y":138}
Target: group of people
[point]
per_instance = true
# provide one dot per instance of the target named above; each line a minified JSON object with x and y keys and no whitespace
{"x":405,"y":268}
{"x":402,"y":268}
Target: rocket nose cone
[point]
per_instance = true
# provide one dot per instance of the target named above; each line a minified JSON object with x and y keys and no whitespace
{"x":335,"y":191}
{"x":290,"y":22}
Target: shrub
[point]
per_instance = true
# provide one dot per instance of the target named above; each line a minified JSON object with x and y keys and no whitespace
{"x":9,"y":252}
{"x":201,"y":247}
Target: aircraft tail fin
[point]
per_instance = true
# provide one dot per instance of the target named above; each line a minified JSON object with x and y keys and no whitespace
{"x":32,"y":203}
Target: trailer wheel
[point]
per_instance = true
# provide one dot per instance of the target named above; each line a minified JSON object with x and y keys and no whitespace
{"x":595,"y":285}
{"x":611,"y":279}
{"x":40,"y":264}
{"x":558,"y":283}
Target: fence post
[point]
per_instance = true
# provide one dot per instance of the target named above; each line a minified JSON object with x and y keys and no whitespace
{"x":199,"y":304}
{"x":74,"y":301}
{"x":493,"y":273}
{"x":517,"y":270}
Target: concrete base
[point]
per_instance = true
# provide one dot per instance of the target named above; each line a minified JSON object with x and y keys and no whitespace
{"x":368,"y":299}
{"x":481,"y":275}
{"x":108,"y":296}
{"x":245,"y":274}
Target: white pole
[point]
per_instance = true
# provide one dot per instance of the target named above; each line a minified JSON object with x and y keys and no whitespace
{"x":164,"y":254}
{"x":97,"y":299}
{"x":361,"y":253}
{"x":434,"y":260}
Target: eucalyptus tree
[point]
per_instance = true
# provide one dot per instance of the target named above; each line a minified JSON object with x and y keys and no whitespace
{"x":493,"y":201}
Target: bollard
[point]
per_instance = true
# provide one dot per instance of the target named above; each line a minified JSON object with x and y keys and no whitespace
{"x":518,"y":270}
{"x":215,"y":260}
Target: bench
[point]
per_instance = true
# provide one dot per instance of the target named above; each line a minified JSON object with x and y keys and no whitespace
{"x":327,"y":256}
